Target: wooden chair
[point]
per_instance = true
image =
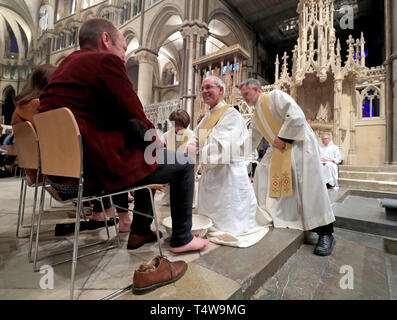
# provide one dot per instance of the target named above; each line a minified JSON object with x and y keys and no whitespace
{"x":61,"y":151}
{"x":61,"y":154}
{"x":27,"y":152}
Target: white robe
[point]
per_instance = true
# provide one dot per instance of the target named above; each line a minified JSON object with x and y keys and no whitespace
{"x":330,"y":169}
{"x":309,"y":206}
{"x":225,"y":194}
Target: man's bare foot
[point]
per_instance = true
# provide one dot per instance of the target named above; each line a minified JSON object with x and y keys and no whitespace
{"x":125,"y":220}
{"x":195,"y":244}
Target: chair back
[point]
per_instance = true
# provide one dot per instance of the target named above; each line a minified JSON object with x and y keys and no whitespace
{"x":60,"y":143}
{"x":26,"y":143}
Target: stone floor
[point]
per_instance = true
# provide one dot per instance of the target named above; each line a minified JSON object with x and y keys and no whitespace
{"x":215,"y":273}
{"x":308,"y":277}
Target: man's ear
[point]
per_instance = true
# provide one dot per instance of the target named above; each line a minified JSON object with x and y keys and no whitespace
{"x":105,"y":40}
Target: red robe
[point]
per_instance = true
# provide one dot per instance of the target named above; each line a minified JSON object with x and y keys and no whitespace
{"x":95,"y":86}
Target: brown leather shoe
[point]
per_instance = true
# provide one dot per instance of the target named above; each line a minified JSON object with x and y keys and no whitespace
{"x":136,"y":241}
{"x":156,"y":273}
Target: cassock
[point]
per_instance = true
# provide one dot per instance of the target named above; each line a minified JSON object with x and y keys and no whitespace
{"x":225,"y":193}
{"x":330,"y":169}
{"x":308,"y":206}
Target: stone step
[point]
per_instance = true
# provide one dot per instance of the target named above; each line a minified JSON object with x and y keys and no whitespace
{"x":383,"y":168}
{"x":308,"y":277}
{"x":362,"y":212}
{"x":365,"y":175}
{"x":368,"y":184}
{"x":228,"y":272}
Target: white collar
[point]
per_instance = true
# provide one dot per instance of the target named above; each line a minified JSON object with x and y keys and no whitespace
{"x":219,"y":105}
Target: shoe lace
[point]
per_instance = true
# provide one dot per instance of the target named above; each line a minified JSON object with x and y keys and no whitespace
{"x":323,"y":240}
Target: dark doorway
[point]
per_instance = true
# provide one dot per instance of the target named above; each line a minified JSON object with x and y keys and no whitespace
{"x":8,"y":106}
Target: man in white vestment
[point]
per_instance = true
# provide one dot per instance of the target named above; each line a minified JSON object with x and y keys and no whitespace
{"x":330,"y":158}
{"x":288,"y":181}
{"x":177,"y":139}
{"x":225,"y":193}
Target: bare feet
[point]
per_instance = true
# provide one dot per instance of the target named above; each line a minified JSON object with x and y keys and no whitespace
{"x":125,"y":220}
{"x":195,"y":244}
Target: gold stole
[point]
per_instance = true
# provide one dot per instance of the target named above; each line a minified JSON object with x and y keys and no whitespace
{"x":205,"y":129}
{"x":280,"y":179}
{"x":172,"y":144}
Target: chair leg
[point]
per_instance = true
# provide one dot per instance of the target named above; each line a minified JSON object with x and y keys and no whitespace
{"x":76,"y":241}
{"x":38,"y":228}
{"x":23,"y":186}
{"x":155,"y":221}
{"x":32,"y":223}
{"x":114,"y":217}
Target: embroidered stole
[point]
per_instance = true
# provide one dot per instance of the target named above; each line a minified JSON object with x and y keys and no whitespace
{"x":213,"y":119}
{"x":280,"y":178}
{"x":172,"y":144}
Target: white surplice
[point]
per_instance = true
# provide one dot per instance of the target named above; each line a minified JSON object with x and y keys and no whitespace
{"x":330,"y":169}
{"x":225,"y":193}
{"x":309,"y":206}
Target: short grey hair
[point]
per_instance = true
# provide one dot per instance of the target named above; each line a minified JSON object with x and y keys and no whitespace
{"x":250,"y":83}
{"x":218,"y":82}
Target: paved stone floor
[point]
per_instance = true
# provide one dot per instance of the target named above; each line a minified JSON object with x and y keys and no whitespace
{"x":309,"y":277}
{"x":216,"y":272}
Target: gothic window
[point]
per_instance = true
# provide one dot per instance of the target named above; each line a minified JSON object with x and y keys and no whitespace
{"x":65,"y":8}
{"x":11,"y":44}
{"x":106,"y":15}
{"x":370,"y":106}
{"x":136,"y":7}
{"x":90,"y":3}
{"x":125,"y":13}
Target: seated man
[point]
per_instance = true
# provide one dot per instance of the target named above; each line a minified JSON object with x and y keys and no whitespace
{"x":330,"y":158}
{"x":225,"y":193}
{"x":93,"y":83}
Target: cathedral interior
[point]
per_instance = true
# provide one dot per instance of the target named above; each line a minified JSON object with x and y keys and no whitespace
{"x":336,"y":58}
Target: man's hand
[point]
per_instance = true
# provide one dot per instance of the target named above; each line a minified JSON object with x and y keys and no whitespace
{"x":327,"y":160}
{"x":279,"y":144}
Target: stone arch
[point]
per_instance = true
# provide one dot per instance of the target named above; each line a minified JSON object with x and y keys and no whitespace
{"x":88,"y":15}
{"x":59,"y":60}
{"x":170,"y":94}
{"x":157,"y":33}
{"x":129,"y":36}
{"x":8,"y":106}
{"x":230,"y":22}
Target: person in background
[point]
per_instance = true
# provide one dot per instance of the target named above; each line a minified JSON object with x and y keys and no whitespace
{"x":177,"y":139}
{"x":330,"y":158}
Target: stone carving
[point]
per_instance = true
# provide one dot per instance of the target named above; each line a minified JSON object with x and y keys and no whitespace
{"x":317,"y":57}
{"x":158,"y":113}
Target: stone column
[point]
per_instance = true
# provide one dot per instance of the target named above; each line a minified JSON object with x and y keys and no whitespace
{"x":147,"y":60}
{"x":393,"y":61}
{"x":194,"y":36}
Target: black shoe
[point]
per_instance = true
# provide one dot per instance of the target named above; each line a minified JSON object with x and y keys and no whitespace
{"x":325,"y":245}
{"x":95,"y":224}
{"x":62,"y":229}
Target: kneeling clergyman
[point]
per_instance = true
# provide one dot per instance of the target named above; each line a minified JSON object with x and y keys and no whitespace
{"x":225,"y":193}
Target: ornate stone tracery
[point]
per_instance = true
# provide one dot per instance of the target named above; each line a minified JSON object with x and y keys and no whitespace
{"x":331,"y":93}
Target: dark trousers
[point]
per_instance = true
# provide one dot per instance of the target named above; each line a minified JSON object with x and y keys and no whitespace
{"x":324,"y":230}
{"x":180,"y":176}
